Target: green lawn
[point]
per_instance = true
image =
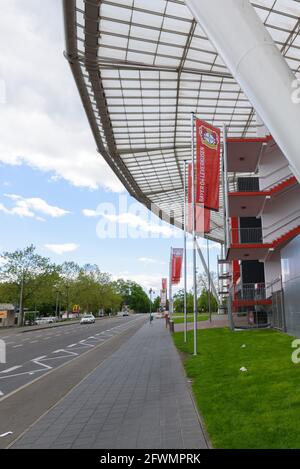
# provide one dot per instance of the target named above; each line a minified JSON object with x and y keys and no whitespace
{"x":256,"y":409}
{"x":178,"y":318}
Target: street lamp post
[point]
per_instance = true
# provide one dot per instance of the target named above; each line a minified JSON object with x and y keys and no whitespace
{"x":56,"y":306}
{"x":150,"y":294}
{"x":21,"y":310}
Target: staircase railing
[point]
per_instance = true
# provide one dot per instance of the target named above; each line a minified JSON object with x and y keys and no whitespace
{"x":246,"y":235}
{"x":233,"y":182}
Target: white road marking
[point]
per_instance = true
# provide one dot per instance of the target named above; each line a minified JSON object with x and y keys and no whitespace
{"x":34,"y":342}
{"x":38,"y":362}
{"x":11,"y":369}
{"x":39,"y":358}
{"x":6,"y":434}
{"x":1,"y":393}
{"x":17,"y":346}
{"x":82,"y":342}
{"x":64,"y":351}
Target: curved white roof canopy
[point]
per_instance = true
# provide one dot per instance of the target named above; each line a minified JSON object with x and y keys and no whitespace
{"x":141,"y":67}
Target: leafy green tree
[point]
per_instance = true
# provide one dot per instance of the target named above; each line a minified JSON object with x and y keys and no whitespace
{"x":156,"y":304}
{"x":178,"y":302}
{"x":32,"y":281}
{"x":203,"y":302}
{"x":24,"y":270}
{"x":133,"y":295}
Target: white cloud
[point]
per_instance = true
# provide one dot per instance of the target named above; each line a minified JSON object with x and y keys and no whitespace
{"x":31,"y":207}
{"x":90,"y":213}
{"x":61,"y":249}
{"x":137,"y":222}
{"x":136,"y":217}
{"x":147,"y":281}
{"x":42,"y":122}
{"x":149,"y":260}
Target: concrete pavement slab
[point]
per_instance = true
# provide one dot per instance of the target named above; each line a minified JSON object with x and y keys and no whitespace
{"x":138,"y":398}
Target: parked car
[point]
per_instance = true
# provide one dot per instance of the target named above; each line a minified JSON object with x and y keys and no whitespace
{"x":125,"y":313}
{"x":39,"y":321}
{"x":88,"y":319}
{"x":45,"y":320}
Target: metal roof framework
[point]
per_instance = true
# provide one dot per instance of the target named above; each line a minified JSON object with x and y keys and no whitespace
{"x":141,"y":68}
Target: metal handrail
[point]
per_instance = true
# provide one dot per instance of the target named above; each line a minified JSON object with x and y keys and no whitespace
{"x":249,"y":291}
{"x":236,"y":177}
{"x":282,"y":226}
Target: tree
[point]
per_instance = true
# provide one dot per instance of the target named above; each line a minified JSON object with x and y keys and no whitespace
{"x":95,"y":290}
{"x":69,"y":272}
{"x":25,"y":271}
{"x":178,"y":301}
{"x":133,"y":295}
{"x":202,"y":280}
{"x":203,"y":302}
{"x":32,"y":281}
{"x":156,"y":304}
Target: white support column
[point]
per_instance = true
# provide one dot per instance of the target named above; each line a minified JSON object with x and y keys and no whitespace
{"x":185,"y":253}
{"x":195,"y":303}
{"x":256,"y":63}
{"x":170,"y":287}
{"x":225,"y":192}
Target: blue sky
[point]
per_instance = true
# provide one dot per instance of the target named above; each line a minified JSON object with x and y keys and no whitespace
{"x":52,"y":180}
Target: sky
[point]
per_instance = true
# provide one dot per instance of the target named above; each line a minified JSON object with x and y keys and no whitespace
{"x":56,"y":191}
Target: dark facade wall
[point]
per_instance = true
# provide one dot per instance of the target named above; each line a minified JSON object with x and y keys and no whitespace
{"x":250,"y":230}
{"x":290,"y":266}
{"x":253,"y":272}
{"x":250,"y":222}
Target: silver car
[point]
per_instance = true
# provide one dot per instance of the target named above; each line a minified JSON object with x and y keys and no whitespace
{"x":88,"y":319}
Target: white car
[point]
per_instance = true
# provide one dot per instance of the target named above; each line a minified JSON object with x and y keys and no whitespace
{"x":88,"y":319}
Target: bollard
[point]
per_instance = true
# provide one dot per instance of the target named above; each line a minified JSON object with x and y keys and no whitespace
{"x":167,"y":321}
{"x":171,"y":323}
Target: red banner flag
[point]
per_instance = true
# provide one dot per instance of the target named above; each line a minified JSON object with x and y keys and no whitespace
{"x":164,"y":284}
{"x":163,"y":298}
{"x":202,"y":214}
{"x":208,"y":143}
{"x":176,"y":265}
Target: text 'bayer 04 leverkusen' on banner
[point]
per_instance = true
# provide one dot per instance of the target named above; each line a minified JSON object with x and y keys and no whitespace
{"x":208,"y":151}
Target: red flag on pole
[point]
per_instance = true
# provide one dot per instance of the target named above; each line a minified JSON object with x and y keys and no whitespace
{"x":164,"y":284}
{"x":208,"y":143}
{"x":176,"y":263}
{"x":202,"y":214}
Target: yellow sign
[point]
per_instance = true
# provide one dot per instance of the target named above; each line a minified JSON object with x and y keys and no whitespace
{"x":76,"y":309}
{"x":3,"y":314}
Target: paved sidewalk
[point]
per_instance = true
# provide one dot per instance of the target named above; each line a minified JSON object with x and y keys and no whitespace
{"x":138,"y":398}
{"x":217,"y":321}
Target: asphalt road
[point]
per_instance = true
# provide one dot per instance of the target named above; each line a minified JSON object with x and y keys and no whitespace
{"x":34,"y":353}
{"x":44,"y":366}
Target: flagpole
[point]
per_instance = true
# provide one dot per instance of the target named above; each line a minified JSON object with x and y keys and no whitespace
{"x":185,"y":257}
{"x":170,"y":287}
{"x":209,"y":280}
{"x":194,"y":230}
